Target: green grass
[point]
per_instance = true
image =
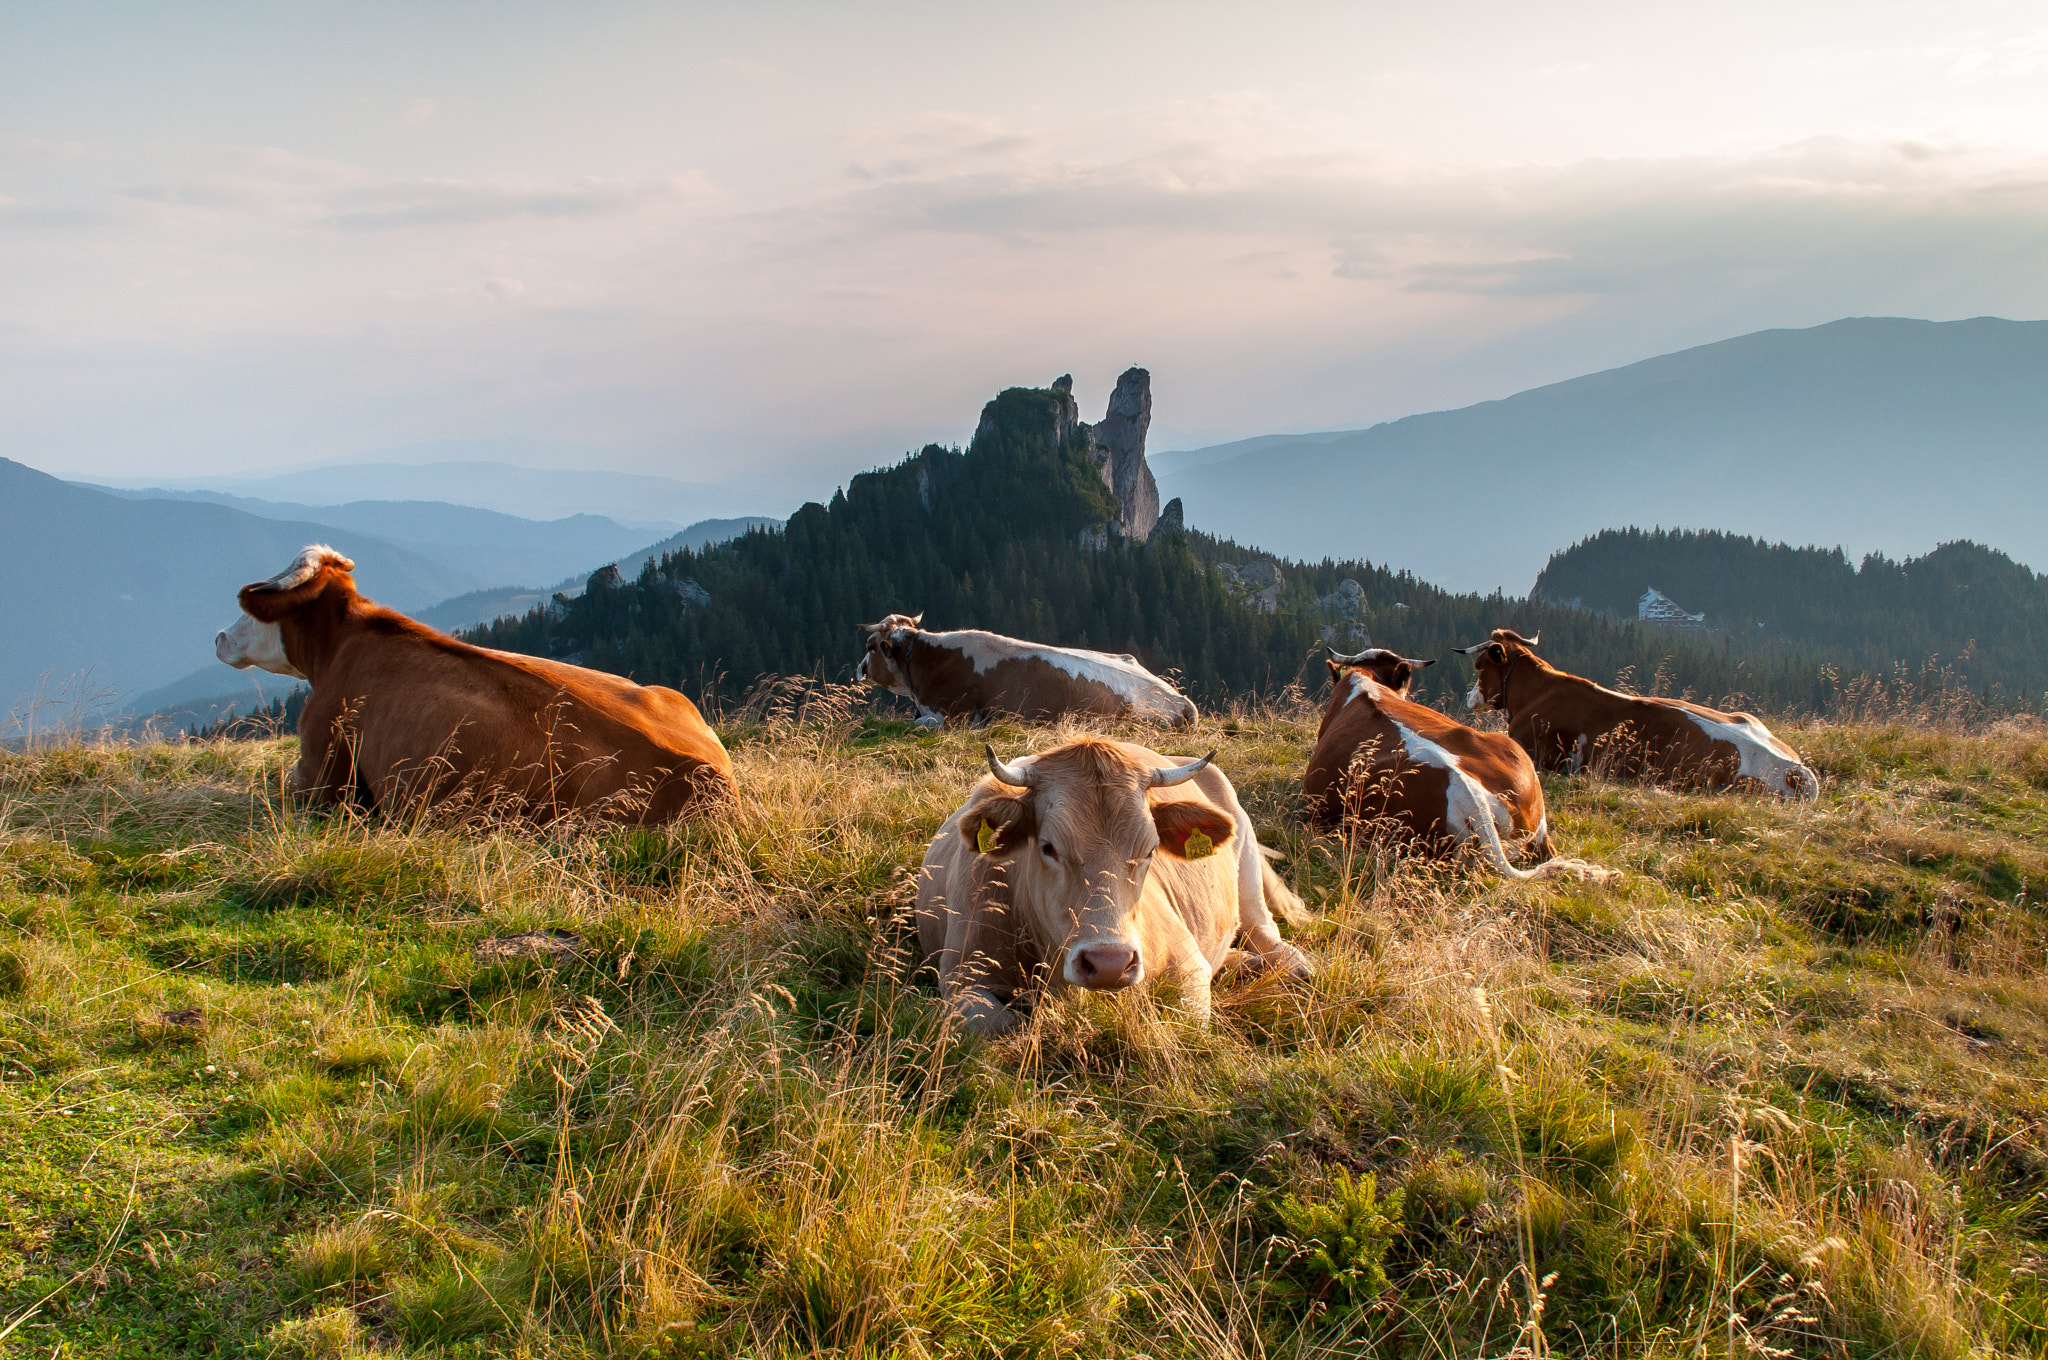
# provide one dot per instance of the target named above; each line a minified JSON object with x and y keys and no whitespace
{"x":1781,"y":1090}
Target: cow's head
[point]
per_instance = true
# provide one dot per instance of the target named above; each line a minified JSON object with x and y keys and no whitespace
{"x":1493,"y":664}
{"x":1390,"y":668}
{"x":257,"y":638}
{"x":1076,"y":830}
{"x":886,"y":662}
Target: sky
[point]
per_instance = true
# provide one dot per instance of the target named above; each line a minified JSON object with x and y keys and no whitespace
{"x":771,"y":245}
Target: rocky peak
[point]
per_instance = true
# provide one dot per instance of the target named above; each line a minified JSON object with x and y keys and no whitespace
{"x":1118,"y":442}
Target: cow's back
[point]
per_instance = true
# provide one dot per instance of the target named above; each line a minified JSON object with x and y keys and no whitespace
{"x":427,"y":713}
{"x":1628,"y":735}
{"x":1386,"y":758}
{"x":968,"y":673}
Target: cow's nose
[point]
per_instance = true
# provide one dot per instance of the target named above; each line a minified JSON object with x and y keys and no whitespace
{"x":1106,"y":966}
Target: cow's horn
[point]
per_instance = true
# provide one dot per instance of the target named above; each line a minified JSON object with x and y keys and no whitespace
{"x":917,"y":620}
{"x":1180,"y":774}
{"x":1418,"y":662}
{"x":1016,"y":776}
{"x":1351,"y":660}
{"x":1475,"y":647}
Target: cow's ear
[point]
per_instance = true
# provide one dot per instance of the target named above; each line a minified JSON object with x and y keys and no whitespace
{"x":999,"y":824}
{"x":265,"y":603}
{"x":1497,"y":654}
{"x":1190,"y":828}
{"x":1403,"y":673}
{"x":1335,"y":669}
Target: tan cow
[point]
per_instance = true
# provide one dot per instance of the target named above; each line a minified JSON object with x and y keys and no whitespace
{"x":1566,"y":722}
{"x":1097,"y":864}
{"x":971,"y":674}
{"x":1382,"y":761}
{"x":401,"y":714}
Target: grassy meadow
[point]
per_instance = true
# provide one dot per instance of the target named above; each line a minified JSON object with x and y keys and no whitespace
{"x":294,"y":1084}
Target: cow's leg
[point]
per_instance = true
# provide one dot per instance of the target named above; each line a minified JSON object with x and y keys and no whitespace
{"x":325,"y":774}
{"x":978,"y":965}
{"x":1181,"y":957}
{"x":1257,"y":928}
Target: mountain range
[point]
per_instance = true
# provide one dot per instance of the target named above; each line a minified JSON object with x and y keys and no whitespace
{"x":1872,"y":433}
{"x":637,"y":500}
{"x":101,"y":595}
{"x":109,"y":598}
{"x":483,"y":544}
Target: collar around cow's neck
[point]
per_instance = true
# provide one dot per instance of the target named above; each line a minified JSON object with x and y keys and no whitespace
{"x":1508,"y":671}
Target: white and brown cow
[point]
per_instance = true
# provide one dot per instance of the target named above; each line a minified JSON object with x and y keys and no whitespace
{"x":1383,"y":762}
{"x":1566,"y":722}
{"x":1096,"y":864}
{"x":971,"y":674}
{"x":401,"y":715}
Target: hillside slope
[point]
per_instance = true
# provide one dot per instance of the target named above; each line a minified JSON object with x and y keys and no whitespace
{"x":662,"y":504}
{"x":1975,"y":609}
{"x":130,"y":593}
{"x":1011,"y":536}
{"x":304,"y":1085}
{"x":1876,"y":433}
{"x":481,"y":543}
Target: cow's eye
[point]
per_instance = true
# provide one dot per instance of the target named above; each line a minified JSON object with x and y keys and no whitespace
{"x":1050,"y":852}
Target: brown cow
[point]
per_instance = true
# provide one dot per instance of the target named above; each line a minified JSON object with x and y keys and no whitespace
{"x":971,"y":674}
{"x":401,"y":714}
{"x":1566,"y":722}
{"x":1382,"y":760}
{"x":1100,"y":865}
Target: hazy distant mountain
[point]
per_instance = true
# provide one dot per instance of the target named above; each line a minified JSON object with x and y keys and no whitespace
{"x":1874,"y":433}
{"x":132,"y":591}
{"x":214,"y":691}
{"x":481,"y":606}
{"x":1180,"y":460}
{"x":481,"y":543}
{"x":661,"y":504}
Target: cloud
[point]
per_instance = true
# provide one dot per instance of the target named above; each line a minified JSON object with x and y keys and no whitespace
{"x":382,"y":207}
{"x":261,"y":182}
{"x":1592,"y":227}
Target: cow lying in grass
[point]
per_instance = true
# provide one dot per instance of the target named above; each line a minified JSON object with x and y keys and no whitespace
{"x":1566,"y":722}
{"x":401,"y":715}
{"x":1101,"y":865}
{"x":1384,"y":762}
{"x":971,"y":674}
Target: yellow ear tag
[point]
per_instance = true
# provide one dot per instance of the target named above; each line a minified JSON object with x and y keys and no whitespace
{"x":1197,"y":846}
{"x":987,"y":840}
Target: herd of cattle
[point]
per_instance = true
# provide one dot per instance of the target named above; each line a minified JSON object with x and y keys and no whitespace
{"x":1099,"y":864}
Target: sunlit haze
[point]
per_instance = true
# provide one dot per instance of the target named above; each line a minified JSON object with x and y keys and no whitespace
{"x":772,"y":245}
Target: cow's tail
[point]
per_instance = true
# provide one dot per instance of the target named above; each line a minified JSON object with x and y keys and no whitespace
{"x":1280,"y":899}
{"x":1497,"y":855}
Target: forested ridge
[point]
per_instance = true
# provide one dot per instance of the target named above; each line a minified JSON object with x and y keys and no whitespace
{"x":1972,"y":608}
{"x":1010,"y":536}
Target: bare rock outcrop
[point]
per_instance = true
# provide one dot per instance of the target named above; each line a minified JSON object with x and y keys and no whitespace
{"x":1119,"y":443}
{"x":1260,"y":583}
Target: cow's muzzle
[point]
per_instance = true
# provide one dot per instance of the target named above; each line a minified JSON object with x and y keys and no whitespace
{"x":1106,"y":966}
